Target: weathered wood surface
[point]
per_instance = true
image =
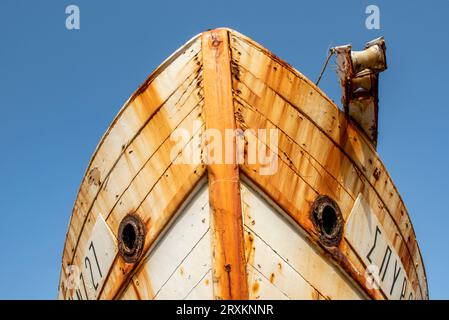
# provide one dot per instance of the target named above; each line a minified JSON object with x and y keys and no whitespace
{"x":222,"y":80}
{"x":281,"y":255}
{"x":228,"y":271}
{"x":319,"y":150}
{"x":181,"y":260}
{"x":131,"y":170}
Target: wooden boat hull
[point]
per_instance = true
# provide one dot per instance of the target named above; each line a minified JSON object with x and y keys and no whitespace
{"x":228,"y":230}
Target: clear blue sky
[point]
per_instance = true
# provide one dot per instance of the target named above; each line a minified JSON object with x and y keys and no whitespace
{"x":60,"y":89}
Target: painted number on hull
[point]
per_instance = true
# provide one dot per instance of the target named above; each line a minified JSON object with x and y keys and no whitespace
{"x":99,"y":253}
{"x":371,"y":242}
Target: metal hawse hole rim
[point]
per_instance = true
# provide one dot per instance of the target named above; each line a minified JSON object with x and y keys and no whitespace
{"x":132,"y":232}
{"x":328,"y":220}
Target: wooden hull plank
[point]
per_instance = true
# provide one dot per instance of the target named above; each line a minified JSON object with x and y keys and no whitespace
{"x":317,"y":177}
{"x":208,"y":234}
{"x":294,"y":251}
{"x":288,"y":85}
{"x":144,"y":179}
{"x":133,"y":116}
{"x":228,"y":270}
{"x":168,"y":258}
{"x":202,"y":290}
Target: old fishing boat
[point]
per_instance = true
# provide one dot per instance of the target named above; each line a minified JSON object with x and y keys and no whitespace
{"x":230,"y":175}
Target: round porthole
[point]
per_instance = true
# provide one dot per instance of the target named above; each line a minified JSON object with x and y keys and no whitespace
{"x":132,"y":233}
{"x":328,"y":221}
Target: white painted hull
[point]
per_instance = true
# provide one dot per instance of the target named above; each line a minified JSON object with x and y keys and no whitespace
{"x":261,"y":241}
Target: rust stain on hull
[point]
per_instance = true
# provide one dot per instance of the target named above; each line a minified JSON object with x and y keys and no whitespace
{"x":225,"y":80}
{"x":229,"y":270}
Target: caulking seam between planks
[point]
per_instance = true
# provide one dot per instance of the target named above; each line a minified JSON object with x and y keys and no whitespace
{"x":115,"y":163}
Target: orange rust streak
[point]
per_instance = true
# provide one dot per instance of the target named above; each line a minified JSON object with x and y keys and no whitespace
{"x":229,"y":269}
{"x":279,"y":195}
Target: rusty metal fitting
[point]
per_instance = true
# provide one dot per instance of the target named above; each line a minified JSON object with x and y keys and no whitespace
{"x":131,"y":238}
{"x":328,"y":221}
